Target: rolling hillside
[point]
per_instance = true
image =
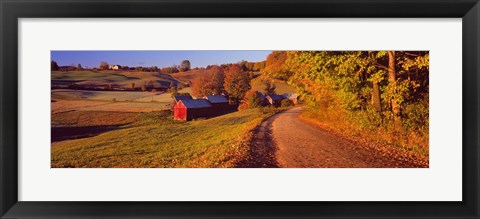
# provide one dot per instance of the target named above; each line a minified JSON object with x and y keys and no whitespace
{"x":115,"y":78}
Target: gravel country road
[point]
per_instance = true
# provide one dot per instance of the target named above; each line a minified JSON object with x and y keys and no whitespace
{"x":286,"y":141}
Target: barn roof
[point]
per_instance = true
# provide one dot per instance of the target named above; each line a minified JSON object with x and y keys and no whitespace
{"x":183,"y":97}
{"x":197,"y":103}
{"x":216,"y":99}
{"x":276,"y":97}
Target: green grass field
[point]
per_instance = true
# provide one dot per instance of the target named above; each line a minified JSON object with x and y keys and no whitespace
{"x":156,"y":140}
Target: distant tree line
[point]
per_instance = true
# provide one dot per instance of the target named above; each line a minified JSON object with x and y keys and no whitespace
{"x":244,"y":66}
{"x":103,"y":66}
{"x":55,"y":67}
{"x":185,"y":65}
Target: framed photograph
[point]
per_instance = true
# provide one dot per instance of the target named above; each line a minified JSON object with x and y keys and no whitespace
{"x":256,"y":109}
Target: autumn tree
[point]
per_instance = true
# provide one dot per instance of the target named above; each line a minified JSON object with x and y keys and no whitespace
{"x":237,"y":83}
{"x":242,"y":65}
{"x":356,"y":82}
{"x":185,"y":65}
{"x":249,"y":66}
{"x":269,"y":87}
{"x":407,"y":79}
{"x":209,"y":83}
{"x":54,"y":66}
{"x":251,"y":100}
{"x":259,"y":66}
{"x":103,"y":66}
{"x":392,"y":81}
{"x":275,"y":66}
{"x":172,"y":69}
{"x":173,"y":90}
{"x":79,"y":67}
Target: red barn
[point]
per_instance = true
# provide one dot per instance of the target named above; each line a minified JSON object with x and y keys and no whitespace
{"x":191,"y":109}
{"x":177,"y":98}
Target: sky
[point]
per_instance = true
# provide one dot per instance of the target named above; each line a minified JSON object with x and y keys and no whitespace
{"x":156,"y":58}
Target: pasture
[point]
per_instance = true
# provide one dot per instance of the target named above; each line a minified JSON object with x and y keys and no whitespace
{"x":64,"y":100}
{"x":155,"y":140}
{"x":281,"y":87}
{"x":189,"y":76}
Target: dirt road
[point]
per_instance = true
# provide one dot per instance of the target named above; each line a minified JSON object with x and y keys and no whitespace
{"x":286,"y":141}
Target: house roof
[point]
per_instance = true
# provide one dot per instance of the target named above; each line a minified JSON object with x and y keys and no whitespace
{"x":183,"y":97}
{"x":197,"y":103}
{"x":276,"y":97}
{"x":216,"y":99}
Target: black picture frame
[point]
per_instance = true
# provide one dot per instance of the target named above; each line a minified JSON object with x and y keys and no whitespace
{"x":12,"y":10}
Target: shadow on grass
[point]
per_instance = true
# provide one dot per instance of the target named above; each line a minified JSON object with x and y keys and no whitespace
{"x":68,"y":133}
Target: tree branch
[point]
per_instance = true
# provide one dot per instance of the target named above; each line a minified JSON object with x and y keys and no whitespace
{"x":380,"y":66}
{"x":411,"y":54}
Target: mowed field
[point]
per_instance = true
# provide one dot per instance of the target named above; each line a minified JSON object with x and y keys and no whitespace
{"x":116,"y":101}
{"x":155,"y":140}
{"x":64,"y":100}
{"x":189,"y":76}
{"x":281,"y":87}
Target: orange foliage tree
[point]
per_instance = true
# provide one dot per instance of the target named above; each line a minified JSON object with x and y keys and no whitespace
{"x":275,"y":65}
{"x":237,"y":82}
{"x":209,"y":83}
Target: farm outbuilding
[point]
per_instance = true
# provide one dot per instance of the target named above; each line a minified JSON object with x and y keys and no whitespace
{"x":274,"y":99}
{"x":191,"y":109}
{"x":263,"y":98}
{"x":293,"y":97}
{"x":114,"y":67}
{"x":219,"y":103}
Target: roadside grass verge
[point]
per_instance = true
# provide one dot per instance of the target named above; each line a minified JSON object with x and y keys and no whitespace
{"x":156,"y":140}
{"x":404,"y":146}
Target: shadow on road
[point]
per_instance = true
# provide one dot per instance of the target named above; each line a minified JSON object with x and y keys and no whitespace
{"x":262,"y":149}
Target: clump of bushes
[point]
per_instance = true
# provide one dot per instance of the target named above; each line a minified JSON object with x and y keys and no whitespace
{"x":286,"y":103}
{"x":251,"y":100}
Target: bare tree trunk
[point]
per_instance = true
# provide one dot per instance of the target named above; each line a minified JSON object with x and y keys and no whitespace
{"x":376,"y":97}
{"x":393,"y":83}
